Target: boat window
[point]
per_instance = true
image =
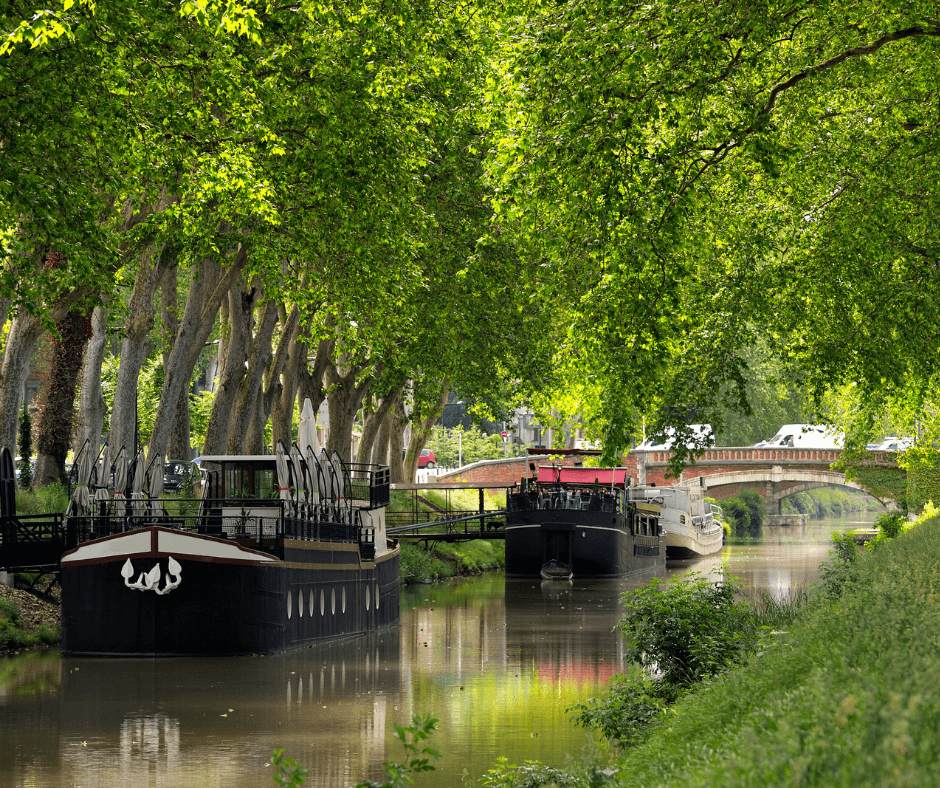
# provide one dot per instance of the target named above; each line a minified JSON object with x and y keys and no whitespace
{"x":311,"y":602}
{"x":290,"y":605}
{"x":322,"y":602}
{"x":300,"y":603}
{"x":237,"y":483}
{"x":333,"y":602}
{"x":344,"y":599}
{"x":264,"y":483}
{"x":367,"y":597}
{"x":376,"y":596}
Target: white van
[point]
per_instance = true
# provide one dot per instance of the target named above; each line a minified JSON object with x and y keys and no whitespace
{"x":703,"y":432}
{"x":805,"y":436}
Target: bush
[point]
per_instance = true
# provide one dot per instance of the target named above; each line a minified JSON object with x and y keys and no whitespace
{"x":755,"y":505}
{"x":42,"y":500}
{"x":687,"y":630}
{"x":891,"y":523}
{"x":738,"y":515}
{"x":628,"y":714}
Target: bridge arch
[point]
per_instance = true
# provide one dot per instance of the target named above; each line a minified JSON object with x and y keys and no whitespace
{"x":778,"y":483}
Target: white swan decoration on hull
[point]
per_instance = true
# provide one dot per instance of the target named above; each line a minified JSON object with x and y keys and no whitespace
{"x":150,"y":581}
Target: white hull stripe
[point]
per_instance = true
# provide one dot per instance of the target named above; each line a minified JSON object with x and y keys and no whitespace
{"x":161,"y":541}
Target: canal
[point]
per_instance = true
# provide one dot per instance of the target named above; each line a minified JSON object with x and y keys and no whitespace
{"x":496,"y":661}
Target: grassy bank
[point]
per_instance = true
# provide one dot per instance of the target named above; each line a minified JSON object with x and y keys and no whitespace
{"x":848,"y":695}
{"x":450,"y":560}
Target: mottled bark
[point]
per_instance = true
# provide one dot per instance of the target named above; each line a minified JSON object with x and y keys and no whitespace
{"x":25,"y":329}
{"x":282,"y":406}
{"x":241,"y":305}
{"x":91,"y":405}
{"x":134,"y":351}
{"x":273,"y":386}
{"x":260,"y":354}
{"x":57,"y":411}
{"x":397,"y":422}
{"x":346,"y":387}
{"x":208,"y":288}
{"x":369,"y":446}
{"x":179,"y":446}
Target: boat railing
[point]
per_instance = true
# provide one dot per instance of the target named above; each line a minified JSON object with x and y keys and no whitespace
{"x":257,"y":523}
{"x":368,"y":486}
{"x":571,"y":500}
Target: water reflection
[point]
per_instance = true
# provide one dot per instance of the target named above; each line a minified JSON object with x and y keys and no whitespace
{"x":497,"y":661}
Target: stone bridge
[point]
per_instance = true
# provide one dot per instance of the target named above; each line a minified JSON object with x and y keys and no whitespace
{"x":775,"y":473}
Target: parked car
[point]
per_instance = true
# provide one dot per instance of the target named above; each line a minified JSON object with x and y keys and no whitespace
{"x":893,"y":444}
{"x":179,"y":474}
{"x":426,"y":460}
{"x":804,"y":436}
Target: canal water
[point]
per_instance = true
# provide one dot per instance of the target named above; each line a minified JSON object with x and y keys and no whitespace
{"x":496,"y":661}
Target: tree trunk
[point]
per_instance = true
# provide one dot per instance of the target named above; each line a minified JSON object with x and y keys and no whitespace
{"x":208,"y":288}
{"x":241,"y":309}
{"x":290,"y":328}
{"x":58,"y":402}
{"x":371,"y":429}
{"x":397,"y":421}
{"x":260,"y":355}
{"x":421,"y":425}
{"x":92,"y":407}
{"x":24,"y":331}
{"x":134,"y":352}
{"x":179,"y":445}
{"x":344,"y":397}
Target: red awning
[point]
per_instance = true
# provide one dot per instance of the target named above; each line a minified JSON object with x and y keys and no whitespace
{"x":585,"y":476}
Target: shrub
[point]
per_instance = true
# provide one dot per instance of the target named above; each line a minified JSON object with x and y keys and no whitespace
{"x":687,"y":630}
{"x":738,"y":515}
{"x":628,"y":714}
{"x":891,"y":523}
{"x":755,"y":505}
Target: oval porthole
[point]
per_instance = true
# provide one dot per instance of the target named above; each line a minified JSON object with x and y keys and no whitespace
{"x":367,"y":597}
{"x":300,"y":604}
{"x":322,"y":602}
{"x":311,"y":602}
{"x":344,"y":599}
{"x":333,"y":602}
{"x":376,"y":596}
{"x":290,"y":604}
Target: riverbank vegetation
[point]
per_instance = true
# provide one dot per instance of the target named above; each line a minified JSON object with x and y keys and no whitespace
{"x":445,"y":560}
{"x":830,"y":502}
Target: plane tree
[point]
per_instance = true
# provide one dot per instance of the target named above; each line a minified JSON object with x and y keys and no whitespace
{"x":692,"y":177}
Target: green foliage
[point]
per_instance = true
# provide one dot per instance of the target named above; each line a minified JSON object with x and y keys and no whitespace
{"x":842,"y":570}
{"x":888,"y":483}
{"x":829,"y":502}
{"x":738,"y":514}
{"x":13,"y":634}
{"x":846,"y":696}
{"x":24,"y":441}
{"x":42,"y":500}
{"x":891,"y":523}
{"x":531,"y":774}
{"x":472,"y":446}
{"x":632,"y":708}
{"x":477,"y":555}
{"x":687,"y":630}
{"x":755,"y":505}
{"x":418,"y":757}
{"x":418,"y":566}
{"x":287,"y":773}
{"x":447,"y":560}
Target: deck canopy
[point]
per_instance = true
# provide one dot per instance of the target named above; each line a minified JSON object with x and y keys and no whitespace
{"x":585,"y":476}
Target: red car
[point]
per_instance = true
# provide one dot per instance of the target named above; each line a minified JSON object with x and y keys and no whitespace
{"x":426,"y":460}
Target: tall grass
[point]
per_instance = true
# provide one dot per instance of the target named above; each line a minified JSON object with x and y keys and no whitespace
{"x":50,"y":498}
